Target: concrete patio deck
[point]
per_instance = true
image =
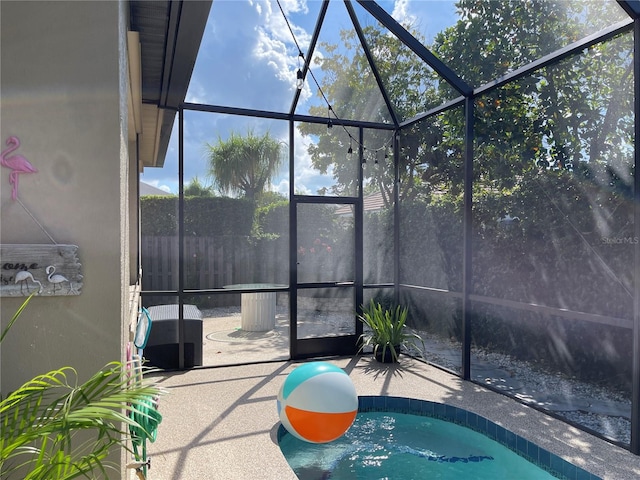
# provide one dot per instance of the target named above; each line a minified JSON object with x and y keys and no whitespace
{"x":221,"y":422}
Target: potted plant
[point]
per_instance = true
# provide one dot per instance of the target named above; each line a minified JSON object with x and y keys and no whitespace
{"x":54,"y":428}
{"x":388,"y":332}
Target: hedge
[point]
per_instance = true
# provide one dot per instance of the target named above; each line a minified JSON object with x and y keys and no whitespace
{"x":204,"y":216}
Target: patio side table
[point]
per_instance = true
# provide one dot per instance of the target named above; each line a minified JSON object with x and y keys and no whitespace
{"x":257,"y":309}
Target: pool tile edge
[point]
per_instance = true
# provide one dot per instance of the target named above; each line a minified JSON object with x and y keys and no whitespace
{"x":537,"y":455}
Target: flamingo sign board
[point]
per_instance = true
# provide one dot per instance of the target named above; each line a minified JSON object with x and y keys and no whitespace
{"x":46,"y":269}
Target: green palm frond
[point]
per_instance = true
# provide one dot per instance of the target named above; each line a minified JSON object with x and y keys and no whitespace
{"x":55,"y":428}
{"x":15,"y":316}
{"x":41,"y":420}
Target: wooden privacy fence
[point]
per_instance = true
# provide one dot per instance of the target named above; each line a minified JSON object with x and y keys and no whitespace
{"x":211,"y":262}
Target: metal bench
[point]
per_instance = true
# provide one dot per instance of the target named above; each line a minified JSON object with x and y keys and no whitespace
{"x":162,"y":345}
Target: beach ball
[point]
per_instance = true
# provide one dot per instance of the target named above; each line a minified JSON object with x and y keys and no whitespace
{"x":317,"y":402}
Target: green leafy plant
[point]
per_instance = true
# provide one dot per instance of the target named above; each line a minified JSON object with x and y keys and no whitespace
{"x":53,"y":428}
{"x":387,"y":331}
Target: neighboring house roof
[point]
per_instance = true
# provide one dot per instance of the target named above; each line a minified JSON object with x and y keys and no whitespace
{"x":170,"y":33}
{"x":146,"y":189}
{"x":370,"y":203}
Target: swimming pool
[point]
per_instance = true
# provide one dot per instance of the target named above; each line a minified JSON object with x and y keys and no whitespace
{"x":388,"y":441}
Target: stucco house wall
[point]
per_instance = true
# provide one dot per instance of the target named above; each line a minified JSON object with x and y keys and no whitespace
{"x":63,"y":92}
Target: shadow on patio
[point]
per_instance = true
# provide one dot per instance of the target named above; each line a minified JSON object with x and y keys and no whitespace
{"x":222,"y":422}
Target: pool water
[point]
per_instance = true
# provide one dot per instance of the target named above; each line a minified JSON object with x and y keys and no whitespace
{"x":390,"y":445}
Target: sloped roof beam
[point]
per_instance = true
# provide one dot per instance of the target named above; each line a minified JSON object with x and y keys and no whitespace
{"x":296,"y":117}
{"x":187,"y":22}
{"x":632,"y":7}
{"x":568,"y":51}
{"x":372,"y":63}
{"x":418,"y":48}
{"x":456,"y":102}
{"x":575,"y":48}
{"x":312,"y":47}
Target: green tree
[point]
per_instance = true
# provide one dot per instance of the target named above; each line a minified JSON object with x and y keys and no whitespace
{"x":351,"y":91}
{"x":195,"y":188}
{"x":575,"y":116}
{"x":244,"y":165}
{"x":553,"y":148}
{"x":559,"y":116}
{"x":566,"y":116}
{"x":268,"y":197}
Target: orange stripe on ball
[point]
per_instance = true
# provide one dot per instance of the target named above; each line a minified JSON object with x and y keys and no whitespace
{"x":319,"y":427}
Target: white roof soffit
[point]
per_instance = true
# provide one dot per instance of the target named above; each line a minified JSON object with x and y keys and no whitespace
{"x":135,"y":85}
{"x":170,"y":37}
{"x":149,"y":140}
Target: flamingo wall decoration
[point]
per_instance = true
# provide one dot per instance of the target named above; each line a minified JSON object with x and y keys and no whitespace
{"x":17,"y":163}
{"x":55,"y":278}
{"x":23,"y":277}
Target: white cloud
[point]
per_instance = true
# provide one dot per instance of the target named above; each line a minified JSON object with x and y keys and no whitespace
{"x":401,"y":13}
{"x":272,"y":52}
{"x":197,"y":92}
{"x":282,"y":187}
{"x":277,"y":24}
{"x":248,"y":57}
{"x":294,"y":6}
{"x":276,"y":46}
{"x":157,"y":184}
{"x":307,"y":179}
{"x":428,"y":17}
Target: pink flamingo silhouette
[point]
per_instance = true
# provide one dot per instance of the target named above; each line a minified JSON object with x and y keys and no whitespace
{"x":17,"y":163}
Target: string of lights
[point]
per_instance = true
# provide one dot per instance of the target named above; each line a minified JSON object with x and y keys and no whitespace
{"x":300,"y":77}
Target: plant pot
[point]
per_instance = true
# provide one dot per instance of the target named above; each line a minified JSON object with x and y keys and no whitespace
{"x":388,"y":354}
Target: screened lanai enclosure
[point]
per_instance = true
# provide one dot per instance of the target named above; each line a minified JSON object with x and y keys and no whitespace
{"x":471,"y":160}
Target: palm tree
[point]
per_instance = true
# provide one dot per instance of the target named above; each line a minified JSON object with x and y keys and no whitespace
{"x":244,"y":165}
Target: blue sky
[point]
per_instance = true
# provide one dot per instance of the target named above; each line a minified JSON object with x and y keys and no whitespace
{"x":248,"y":59}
